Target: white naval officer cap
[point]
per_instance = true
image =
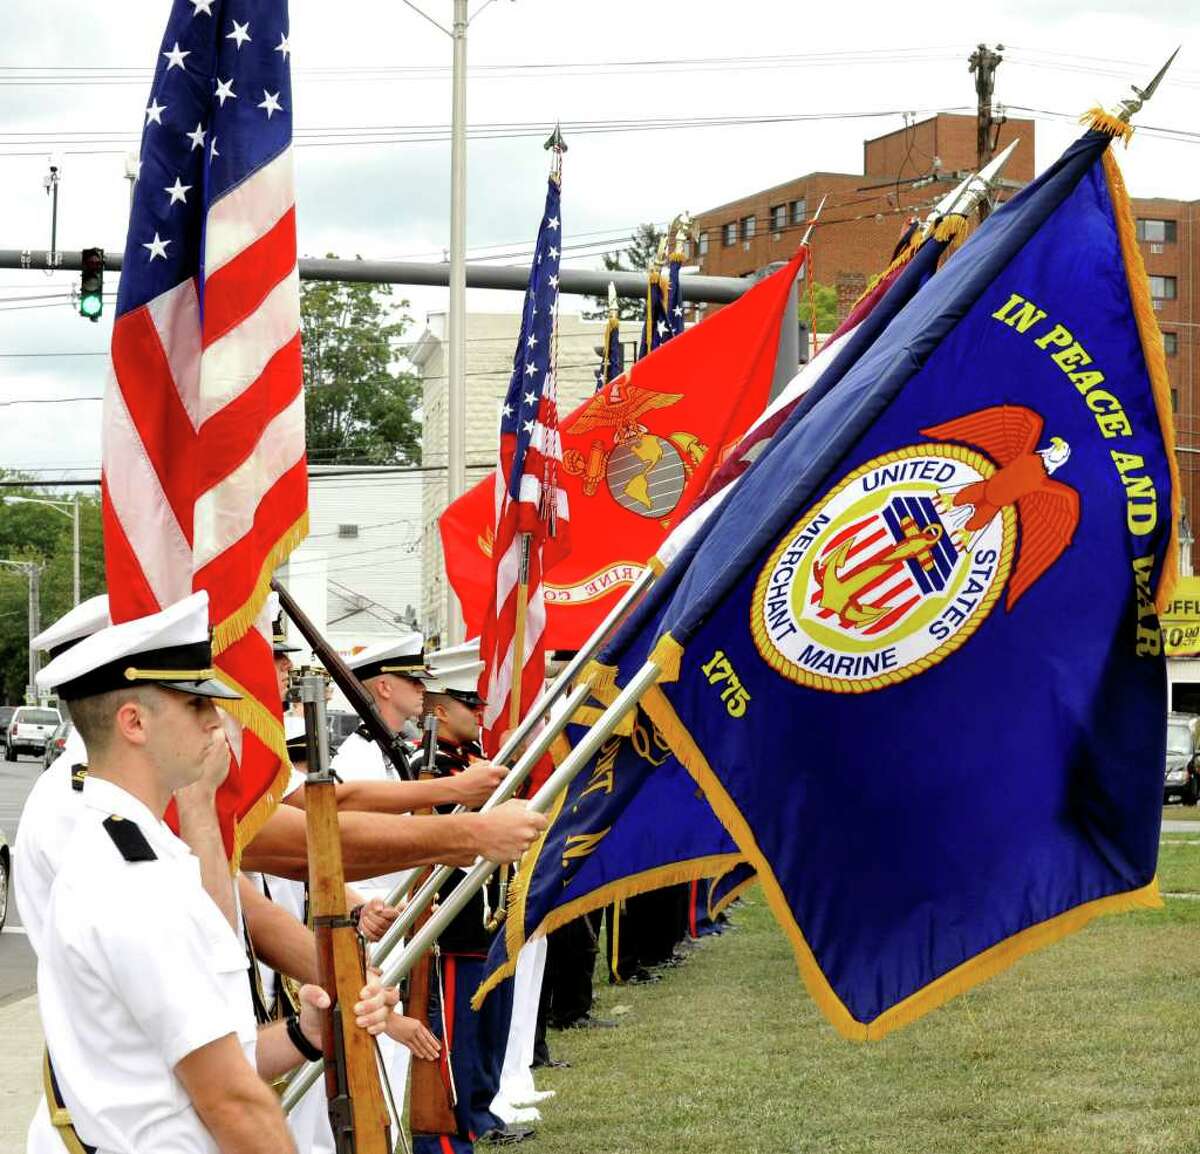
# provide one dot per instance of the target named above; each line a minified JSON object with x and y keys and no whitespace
{"x":170,"y":649}
{"x":454,"y":655}
{"x":86,"y":618}
{"x":404,"y":657}
{"x":458,"y":681}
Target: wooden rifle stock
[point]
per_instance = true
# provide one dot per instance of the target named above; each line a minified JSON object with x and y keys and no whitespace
{"x":392,"y":744}
{"x":357,"y":1111}
{"x":430,"y":1106}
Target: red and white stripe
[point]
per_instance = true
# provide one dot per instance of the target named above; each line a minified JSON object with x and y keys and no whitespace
{"x":542,"y":512}
{"x":204,"y":473}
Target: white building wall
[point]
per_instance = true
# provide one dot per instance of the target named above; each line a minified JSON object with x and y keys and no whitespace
{"x":358,"y":573}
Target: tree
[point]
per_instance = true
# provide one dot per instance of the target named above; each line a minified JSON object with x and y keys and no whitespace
{"x":40,"y":534}
{"x":359,"y":408}
{"x":638,"y":257}
{"x":824,"y":297}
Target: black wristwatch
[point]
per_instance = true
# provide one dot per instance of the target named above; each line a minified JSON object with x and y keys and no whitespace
{"x":308,"y":1051}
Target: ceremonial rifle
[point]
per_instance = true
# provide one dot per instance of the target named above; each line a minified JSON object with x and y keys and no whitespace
{"x":431,"y":1105}
{"x":357,"y":1112}
{"x":392,"y":744}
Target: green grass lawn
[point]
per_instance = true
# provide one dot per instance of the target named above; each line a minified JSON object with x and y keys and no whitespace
{"x":1181,"y":813}
{"x":1089,"y":1047}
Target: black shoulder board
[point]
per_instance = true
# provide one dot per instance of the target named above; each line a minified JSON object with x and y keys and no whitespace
{"x":363,"y":732}
{"x":78,"y":776}
{"x":129,"y":839}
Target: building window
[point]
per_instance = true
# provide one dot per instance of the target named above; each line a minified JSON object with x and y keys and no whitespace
{"x":1174,"y":400}
{"x":730,"y":233}
{"x":747,"y":227}
{"x":1170,"y":343}
{"x":799,"y":210}
{"x":347,"y":532}
{"x":1162,"y":288}
{"x":704,"y":244}
{"x":1156,"y":231}
{"x":779,"y":218}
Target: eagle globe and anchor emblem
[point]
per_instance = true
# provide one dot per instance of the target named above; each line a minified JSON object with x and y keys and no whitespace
{"x":645,"y":473}
{"x":900,"y":563}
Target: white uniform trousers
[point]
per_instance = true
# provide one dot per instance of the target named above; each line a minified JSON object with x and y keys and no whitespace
{"x":516,"y":1078}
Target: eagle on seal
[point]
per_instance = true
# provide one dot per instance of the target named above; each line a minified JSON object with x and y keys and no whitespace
{"x":1047,"y":510}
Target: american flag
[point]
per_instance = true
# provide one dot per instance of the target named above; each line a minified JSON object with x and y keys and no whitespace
{"x":664,"y":311}
{"x":528,"y":497}
{"x":204,"y":476}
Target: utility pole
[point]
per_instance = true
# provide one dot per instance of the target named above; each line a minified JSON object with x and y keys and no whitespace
{"x":74,"y":548}
{"x":983,"y":63}
{"x":35,"y":623}
{"x":456,"y":406}
{"x":33,"y":574}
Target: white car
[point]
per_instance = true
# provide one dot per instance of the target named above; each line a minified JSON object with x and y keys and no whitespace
{"x":29,"y":730}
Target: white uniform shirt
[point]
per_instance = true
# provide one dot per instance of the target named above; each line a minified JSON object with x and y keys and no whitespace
{"x":360,"y":759}
{"x":138,"y":969}
{"x":43,"y":835}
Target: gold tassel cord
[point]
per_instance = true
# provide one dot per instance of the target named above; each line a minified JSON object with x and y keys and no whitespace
{"x":1156,"y":362}
{"x":1100,"y":121}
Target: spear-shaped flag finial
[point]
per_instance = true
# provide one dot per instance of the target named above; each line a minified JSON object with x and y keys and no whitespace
{"x":1126,"y":109}
{"x":813,"y":220}
{"x":556,"y":140}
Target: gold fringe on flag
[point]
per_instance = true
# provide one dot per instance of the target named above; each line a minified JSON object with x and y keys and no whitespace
{"x":1100,"y":121}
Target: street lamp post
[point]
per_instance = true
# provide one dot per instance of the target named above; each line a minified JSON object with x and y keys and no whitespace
{"x":33,"y":573}
{"x":67,"y":509}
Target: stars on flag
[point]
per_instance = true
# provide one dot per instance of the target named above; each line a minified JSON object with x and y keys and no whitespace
{"x":283,"y":45}
{"x":531,"y":398}
{"x":225,"y":91}
{"x":270,"y":102}
{"x":552,"y":223}
{"x":240,"y":33}
{"x":197,"y":137}
{"x":157,"y":247}
{"x":199,"y":6}
{"x":178,"y":192}
{"x":154,"y":111}
{"x":530,"y":369}
{"x":175,"y":57}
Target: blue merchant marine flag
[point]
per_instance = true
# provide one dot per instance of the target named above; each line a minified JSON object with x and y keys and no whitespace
{"x":610,"y":841}
{"x":914,"y":661}
{"x":632,"y":821}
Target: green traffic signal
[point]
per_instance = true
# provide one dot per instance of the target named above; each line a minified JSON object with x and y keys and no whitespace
{"x":91,"y":284}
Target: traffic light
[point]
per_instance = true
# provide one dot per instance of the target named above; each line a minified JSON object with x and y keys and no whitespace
{"x":91,"y":285}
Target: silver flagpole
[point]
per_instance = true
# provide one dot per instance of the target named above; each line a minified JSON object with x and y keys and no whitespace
{"x":523,"y":767}
{"x":545,"y":797}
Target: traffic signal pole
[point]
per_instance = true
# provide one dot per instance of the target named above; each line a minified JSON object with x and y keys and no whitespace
{"x":511,"y":278}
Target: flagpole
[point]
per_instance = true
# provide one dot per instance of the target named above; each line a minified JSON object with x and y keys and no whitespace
{"x":518,"y":663}
{"x":524,"y":764}
{"x":476,"y":878}
{"x":456,"y":394}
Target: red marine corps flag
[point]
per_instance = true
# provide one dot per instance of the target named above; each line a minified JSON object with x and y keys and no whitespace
{"x":204,"y":475}
{"x":634,"y":458}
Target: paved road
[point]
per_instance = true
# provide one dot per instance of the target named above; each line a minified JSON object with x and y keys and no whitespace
{"x":17,"y":965}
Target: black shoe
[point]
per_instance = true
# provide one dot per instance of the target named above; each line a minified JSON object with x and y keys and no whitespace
{"x":642,"y":977}
{"x":587,"y":1022}
{"x":549,"y":1064}
{"x":505,"y":1135}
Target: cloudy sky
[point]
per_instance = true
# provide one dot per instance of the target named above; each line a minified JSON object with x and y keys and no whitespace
{"x":74,"y":80}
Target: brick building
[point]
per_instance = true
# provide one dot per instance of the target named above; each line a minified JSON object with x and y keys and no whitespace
{"x":866,"y":213}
